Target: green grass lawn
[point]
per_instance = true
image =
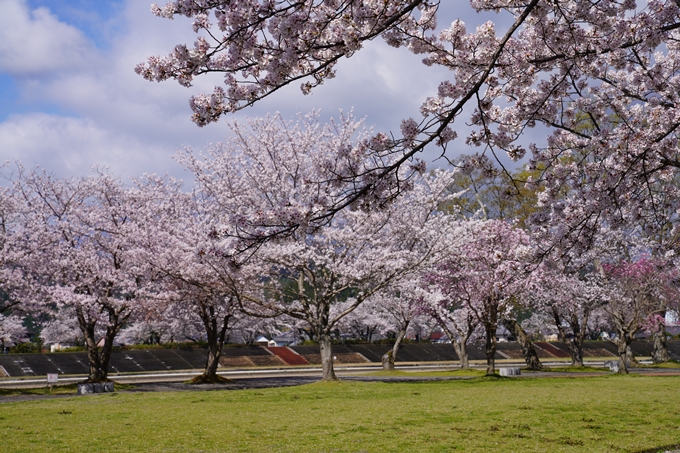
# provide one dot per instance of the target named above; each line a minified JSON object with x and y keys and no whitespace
{"x":416,"y":374}
{"x":600,"y":414}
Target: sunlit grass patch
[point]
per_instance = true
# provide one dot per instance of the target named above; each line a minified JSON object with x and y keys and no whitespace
{"x":598,"y":414}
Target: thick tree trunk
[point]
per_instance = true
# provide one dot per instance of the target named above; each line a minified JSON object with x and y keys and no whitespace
{"x":99,"y":360}
{"x":459,"y":343}
{"x":660,"y":352}
{"x":626,"y":357}
{"x":326,"y":357}
{"x":490,"y":347}
{"x":216,"y":330}
{"x":575,"y":344}
{"x":631,"y":361}
{"x":390,"y":356}
{"x":96,"y":373}
{"x":528,"y":351}
{"x":460,"y":346}
{"x":215,"y":345}
{"x":575,"y":350}
{"x":621,"y":347}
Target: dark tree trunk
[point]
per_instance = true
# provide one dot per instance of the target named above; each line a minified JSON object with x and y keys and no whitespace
{"x":490,"y":347}
{"x":660,"y":352}
{"x":621,"y":347}
{"x":626,"y":357}
{"x":631,"y":361}
{"x":575,"y":343}
{"x":489,"y":319}
{"x":390,"y":356}
{"x":216,"y":329}
{"x":626,"y":328}
{"x":98,"y":361}
{"x":575,"y":350}
{"x":326,"y":357}
{"x":528,"y":351}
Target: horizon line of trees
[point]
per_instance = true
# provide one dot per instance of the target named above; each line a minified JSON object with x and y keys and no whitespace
{"x":96,"y":258}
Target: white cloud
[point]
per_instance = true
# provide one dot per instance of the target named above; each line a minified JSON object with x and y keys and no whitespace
{"x":35,"y":42}
{"x":71,"y":146}
{"x":118,"y":118}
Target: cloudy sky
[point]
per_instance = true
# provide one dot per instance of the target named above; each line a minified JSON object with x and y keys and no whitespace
{"x":70,"y":98}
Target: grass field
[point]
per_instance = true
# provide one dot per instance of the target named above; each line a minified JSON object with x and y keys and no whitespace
{"x":600,"y":414}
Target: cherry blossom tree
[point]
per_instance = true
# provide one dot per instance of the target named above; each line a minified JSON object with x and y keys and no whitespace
{"x":397,"y":305}
{"x":273,"y":177}
{"x":569,"y":299}
{"x":523,"y":338}
{"x":366,"y":322}
{"x":76,"y":237}
{"x":170,"y":326}
{"x":63,"y":327}
{"x":635,"y":288}
{"x":271,"y":180}
{"x":190,"y":277}
{"x":320,"y":278}
{"x":600,"y":78}
{"x":12,"y":330}
{"x":486,"y":274}
{"x":13,"y":282}
{"x":452,"y":314}
{"x":599,"y":324}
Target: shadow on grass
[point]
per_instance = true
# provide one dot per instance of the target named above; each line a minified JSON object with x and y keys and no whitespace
{"x":70,"y":389}
{"x":666,"y":448}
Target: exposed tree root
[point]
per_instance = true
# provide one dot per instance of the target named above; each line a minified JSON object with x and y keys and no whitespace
{"x":215,"y":379}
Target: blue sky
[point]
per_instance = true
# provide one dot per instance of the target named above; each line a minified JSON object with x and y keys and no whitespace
{"x":71,"y":99}
{"x":99,"y":20}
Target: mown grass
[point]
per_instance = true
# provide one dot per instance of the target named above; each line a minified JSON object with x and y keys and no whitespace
{"x":599,"y":414}
{"x":576,"y":369}
{"x":438,"y":373}
{"x":669,"y":364}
